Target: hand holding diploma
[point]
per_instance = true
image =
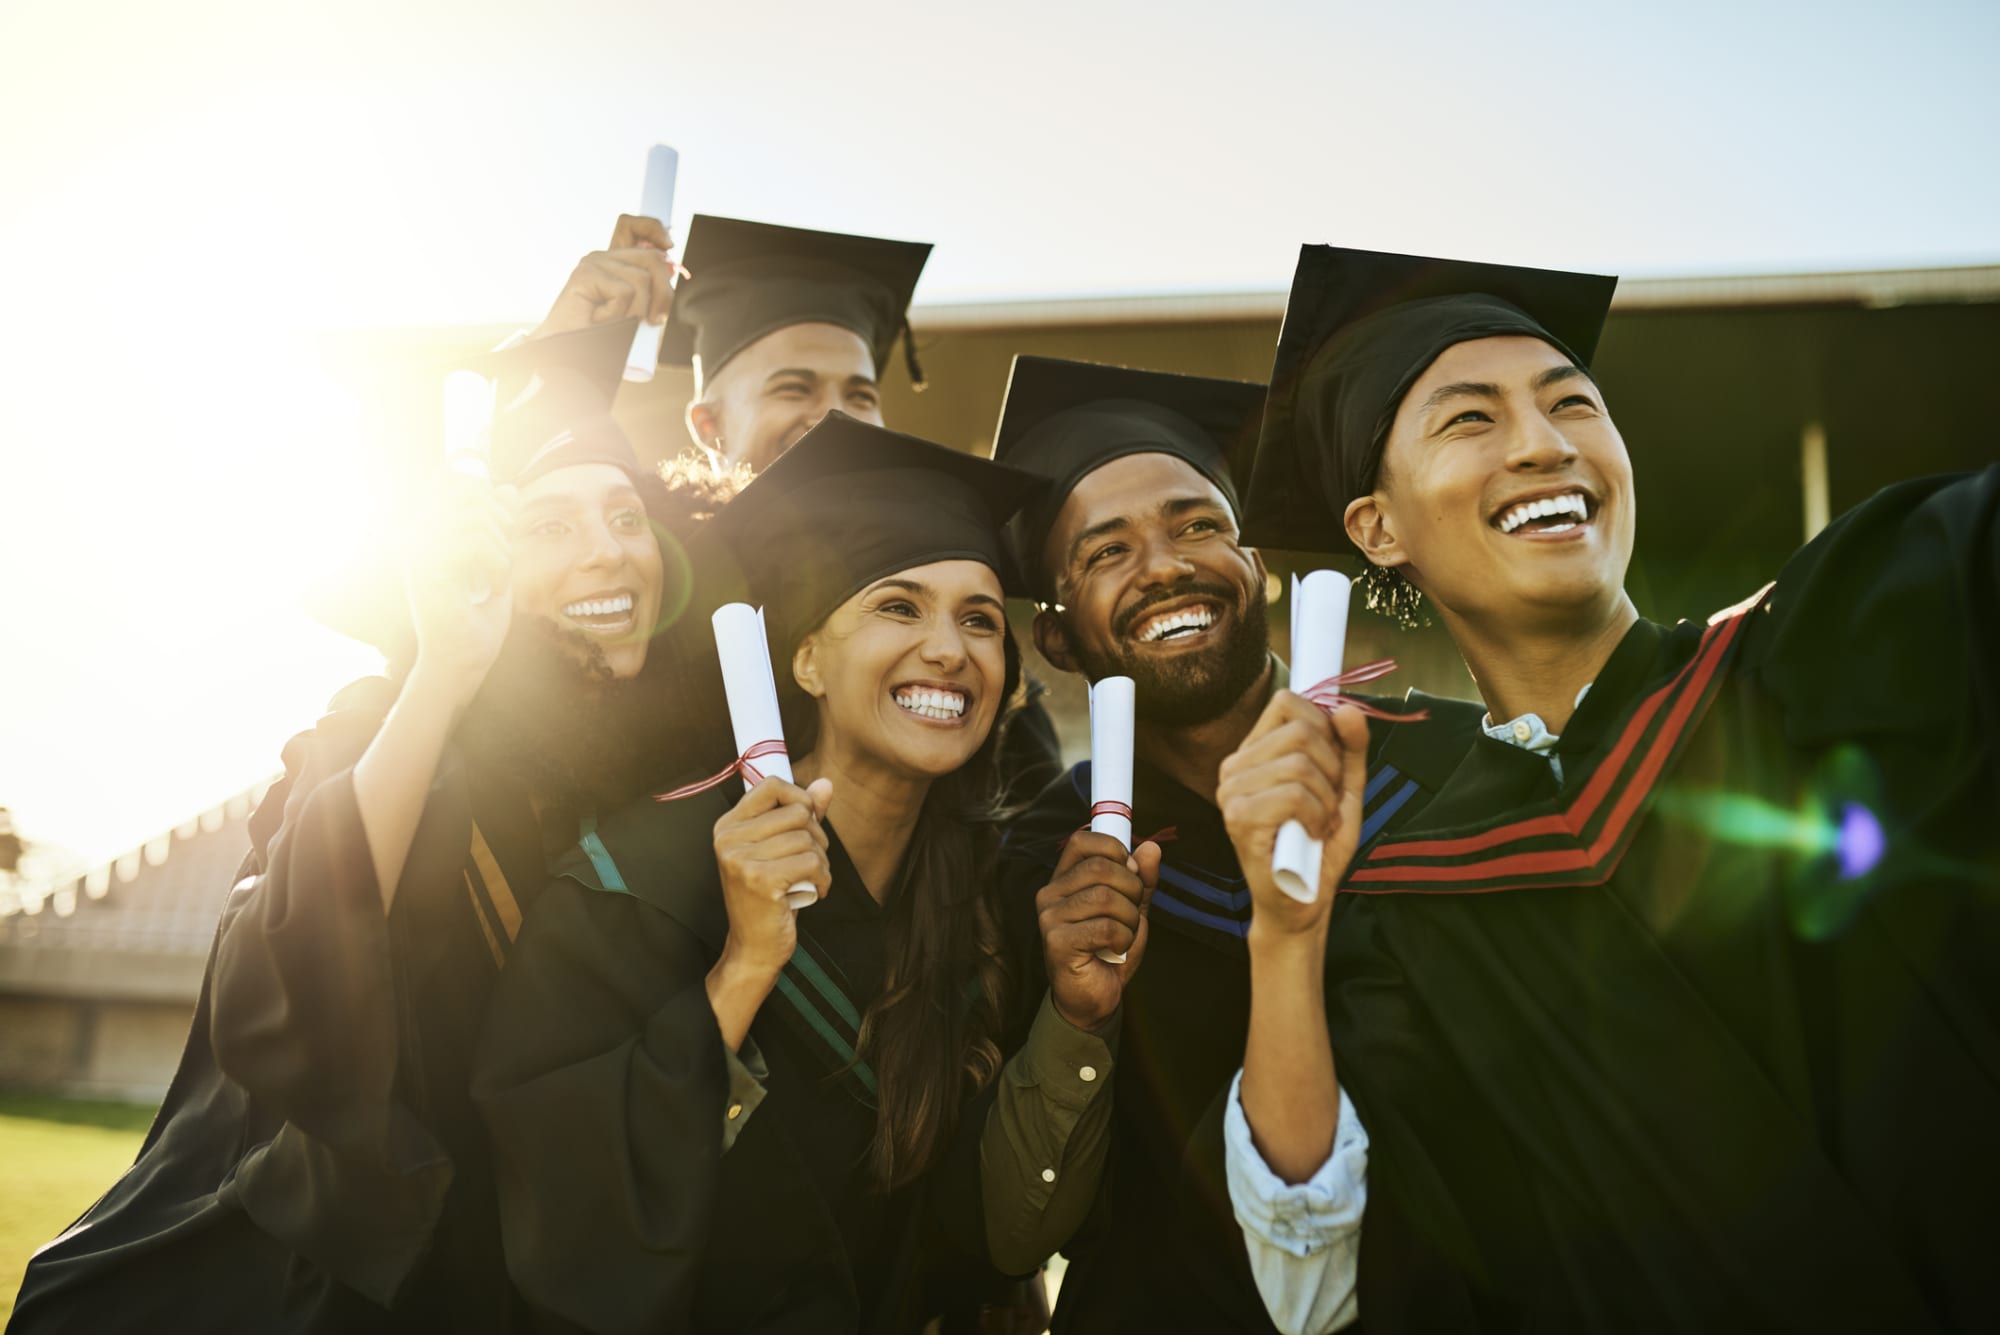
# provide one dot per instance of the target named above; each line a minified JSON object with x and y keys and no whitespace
{"x":1301,"y":768}
{"x":1319,"y":643}
{"x":752,"y":693}
{"x":770,"y":849}
{"x":1111,"y":715}
{"x":656,"y":204}
{"x":1092,"y":913}
{"x":457,"y":568}
{"x":633,"y":276}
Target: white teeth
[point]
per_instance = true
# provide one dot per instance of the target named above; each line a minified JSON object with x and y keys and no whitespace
{"x":600,"y":607}
{"x":931,"y":704}
{"x":1200,"y":618}
{"x":1572,"y":503}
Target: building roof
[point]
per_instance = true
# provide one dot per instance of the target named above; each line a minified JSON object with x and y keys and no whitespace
{"x":1875,"y":288}
{"x":139,"y":924}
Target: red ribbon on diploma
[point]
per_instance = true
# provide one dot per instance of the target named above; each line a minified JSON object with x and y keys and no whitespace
{"x":741,"y":765}
{"x":1110,"y":808}
{"x":1327,"y":694}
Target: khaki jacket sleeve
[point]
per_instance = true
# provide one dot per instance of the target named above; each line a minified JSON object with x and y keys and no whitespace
{"x":1042,"y":1151}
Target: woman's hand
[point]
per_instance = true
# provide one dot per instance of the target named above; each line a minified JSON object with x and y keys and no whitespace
{"x":456,"y":577}
{"x":769,"y":842}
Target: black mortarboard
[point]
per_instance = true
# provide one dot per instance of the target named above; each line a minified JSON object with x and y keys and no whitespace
{"x":552,"y":403}
{"x":1064,"y":420}
{"x":851,"y":503}
{"x":749,"y":279}
{"x":1360,"y":327}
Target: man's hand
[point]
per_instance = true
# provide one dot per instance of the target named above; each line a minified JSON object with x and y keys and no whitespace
{"x":1298,"y":764}
{"x":456,"y":577}
{"x":634,"y":275}
{"x":1097,"y":901}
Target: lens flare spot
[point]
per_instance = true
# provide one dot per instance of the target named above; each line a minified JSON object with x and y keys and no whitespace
{"x":1861,"y":840}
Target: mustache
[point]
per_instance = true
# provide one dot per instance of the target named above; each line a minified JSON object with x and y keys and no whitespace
{"x":1225,"y":594}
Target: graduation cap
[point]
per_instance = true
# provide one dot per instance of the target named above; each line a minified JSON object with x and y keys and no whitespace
{"x":1064,"y":420}
{"x":851,"y":503}
{"x":749,"y":279}
{"x":1360,"y":327}
{"x":552,"y":403}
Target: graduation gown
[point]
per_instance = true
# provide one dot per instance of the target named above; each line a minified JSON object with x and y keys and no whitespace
{"x":317,"y":1157}
{"x":1706,"y":1036}
{"x":1163,"y":1251}
{"x":606,"y":1085}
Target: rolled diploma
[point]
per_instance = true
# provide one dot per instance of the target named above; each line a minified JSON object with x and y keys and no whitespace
{"x":752,"y":693}
{"x":656,"y":201}
{"x":1319,"y":642}
{"x":1111,"y":765}
{"x":468,"y":434}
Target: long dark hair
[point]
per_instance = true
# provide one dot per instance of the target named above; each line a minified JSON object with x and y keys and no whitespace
{"x":932,"y":1035}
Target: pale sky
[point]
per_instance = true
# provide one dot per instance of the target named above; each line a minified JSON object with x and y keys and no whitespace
{"x":187,"y":191}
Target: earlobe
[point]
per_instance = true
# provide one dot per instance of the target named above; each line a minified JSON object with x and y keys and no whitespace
{"x":805,"y":667}
{"x":705,"y":425}
{"x":1051,"y":643}
{"x":1369,"y":528}
{"x":1257,"y":564}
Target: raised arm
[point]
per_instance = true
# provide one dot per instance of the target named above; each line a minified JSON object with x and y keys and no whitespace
{"x":1296,"y":1173}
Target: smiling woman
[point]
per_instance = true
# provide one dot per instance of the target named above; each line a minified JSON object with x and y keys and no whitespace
{"x":317,"y":1164}
{"x":584,"y":551}
{"x":665,"y":997}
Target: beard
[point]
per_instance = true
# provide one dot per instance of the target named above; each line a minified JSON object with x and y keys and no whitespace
{"x":1191,"y":688}
{"x":551,"y":715}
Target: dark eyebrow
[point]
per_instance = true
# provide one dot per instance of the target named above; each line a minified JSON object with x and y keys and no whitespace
{"x":1555,"y":375}
{"x":1173,"y":508}
{"x":807,"y":373}
{"x":925,"y":590}
{"x":1464,"y":389}
{"x":1092,"y":534}
{"x":1181,"y":505}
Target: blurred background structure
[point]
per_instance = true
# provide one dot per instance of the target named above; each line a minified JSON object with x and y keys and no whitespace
{"x":1755,"y":408}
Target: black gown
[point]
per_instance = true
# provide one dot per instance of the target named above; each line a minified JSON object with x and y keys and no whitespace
{"x":1707,"y":1036}
{"x":604,"y":1082}
{"x":1163,"y":1251}
{"x":317,"y":1157}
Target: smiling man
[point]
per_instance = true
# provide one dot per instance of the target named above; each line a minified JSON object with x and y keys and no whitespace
{"x":1135,"y":556}
{"x":781,"y":325}
{"x":1674,"y":1009}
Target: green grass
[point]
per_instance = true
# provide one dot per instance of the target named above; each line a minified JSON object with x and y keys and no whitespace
{"x":56,"y":1157}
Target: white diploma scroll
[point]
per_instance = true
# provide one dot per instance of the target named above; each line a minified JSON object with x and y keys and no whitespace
{"x":1111,"y":766}
{"x":468,"y":435}
{"x":752,"y":693}
{"x":1319,"y":643}
{"x":655,"y":201}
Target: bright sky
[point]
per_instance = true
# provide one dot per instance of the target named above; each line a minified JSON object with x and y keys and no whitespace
{"x":187,"y":191}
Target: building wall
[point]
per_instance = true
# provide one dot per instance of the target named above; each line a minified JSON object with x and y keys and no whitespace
{"x":95,"y":1049}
